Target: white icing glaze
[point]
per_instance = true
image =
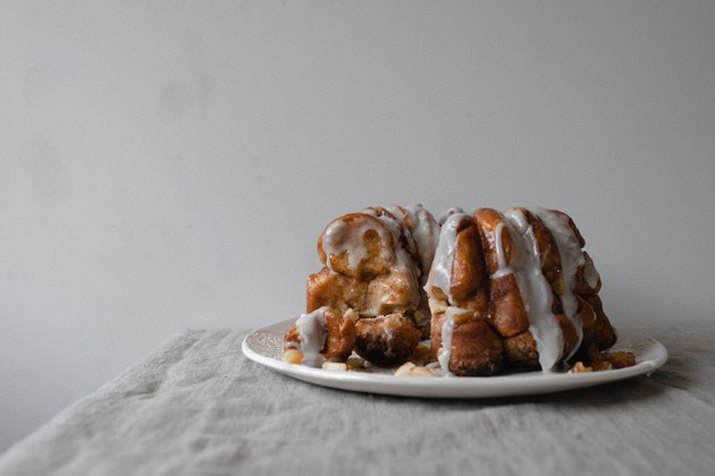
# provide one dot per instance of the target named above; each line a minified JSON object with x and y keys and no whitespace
{"x":389,"y":334}
{"x":448,"y":213}
{"x":589,"y":273}
{"x":440,"y":275}
{"x":445,"y":352}
{"x":571,"y":258}
{"x":405,"y":248}
{"x":502,"y":267}
{"x":312,"y":333}
{"x":425,"y":231}
{"x":400,"y":233}
{"x":341,"y":236}
{"x":536,"y":290}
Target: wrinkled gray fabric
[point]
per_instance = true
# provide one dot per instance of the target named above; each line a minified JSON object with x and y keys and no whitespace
{"x":197,"y":406}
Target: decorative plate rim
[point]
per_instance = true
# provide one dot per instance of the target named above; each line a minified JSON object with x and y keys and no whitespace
{"x":260,"y":343}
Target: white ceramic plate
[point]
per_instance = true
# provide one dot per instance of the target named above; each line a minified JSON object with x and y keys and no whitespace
{"x":265,"y":347}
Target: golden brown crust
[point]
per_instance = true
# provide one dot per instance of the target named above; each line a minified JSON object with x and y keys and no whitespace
{"x":548,"y":251}
{"x":468,"y":268}
{"x":384,"y":294}
{"x":291,"y":338}
{"x":621,"y":359}
{"x":422,"y":317}
{"x":476,"y":348}
{"x":377,"y":239}
{"x":341,"y":335}
{"x":386,"y":340}
{"x":506,"y":307}
{"x":377,"y":281}
{"x":507,"y":311}
{"x":488,"y":220}
{"x":581,"y":283}
{"x":569,"y":334}
{"x":520,"y":350}
{"x":588,"y":319}
{"x":327,"y":288}
{"x":592,"y":360}
{"x":604,"y":335}
{"x":394,"y":292}
{"x":339,"y":339}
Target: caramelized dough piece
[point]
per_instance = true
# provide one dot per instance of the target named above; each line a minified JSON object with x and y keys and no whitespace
{"x":394,"y":292}
{"x":422,"y":317}
{"x":386,"y":340}
{"x":327,"y":288}
{"x":598,"y":361}
{"x":569,"y":333}
{"x":621,"y":359}
{"x":468,"y":274}
{"x":573,"y":226}
{"x":520,"y":350}
{"x":548,"y":252}
{"x":587,"y":279}
{"x":507,"y":312}
{"x":343,"y":235}
{"x":291,"y":338}
{"x":588,"y":320}
{"x":604,"y":336}
{"x":469,"y":282}
{"x":425,"y":230}
{"x":476,"y":348}
{"x":339,"y":339}
{"x":418,"y":236}
{"x":384,"y":294}
{"x":466,"y":270}
{"x":371,"y":266}
{"x":488,"y":220}
{"x":506,"y":307}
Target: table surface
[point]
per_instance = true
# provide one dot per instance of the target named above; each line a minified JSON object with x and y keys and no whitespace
{"x":198,"y":406}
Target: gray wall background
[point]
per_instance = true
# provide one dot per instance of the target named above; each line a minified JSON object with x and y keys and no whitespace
{"x":169,"y":164}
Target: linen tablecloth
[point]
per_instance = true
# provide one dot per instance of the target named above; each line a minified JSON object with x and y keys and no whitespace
{"x":198,"y":406}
